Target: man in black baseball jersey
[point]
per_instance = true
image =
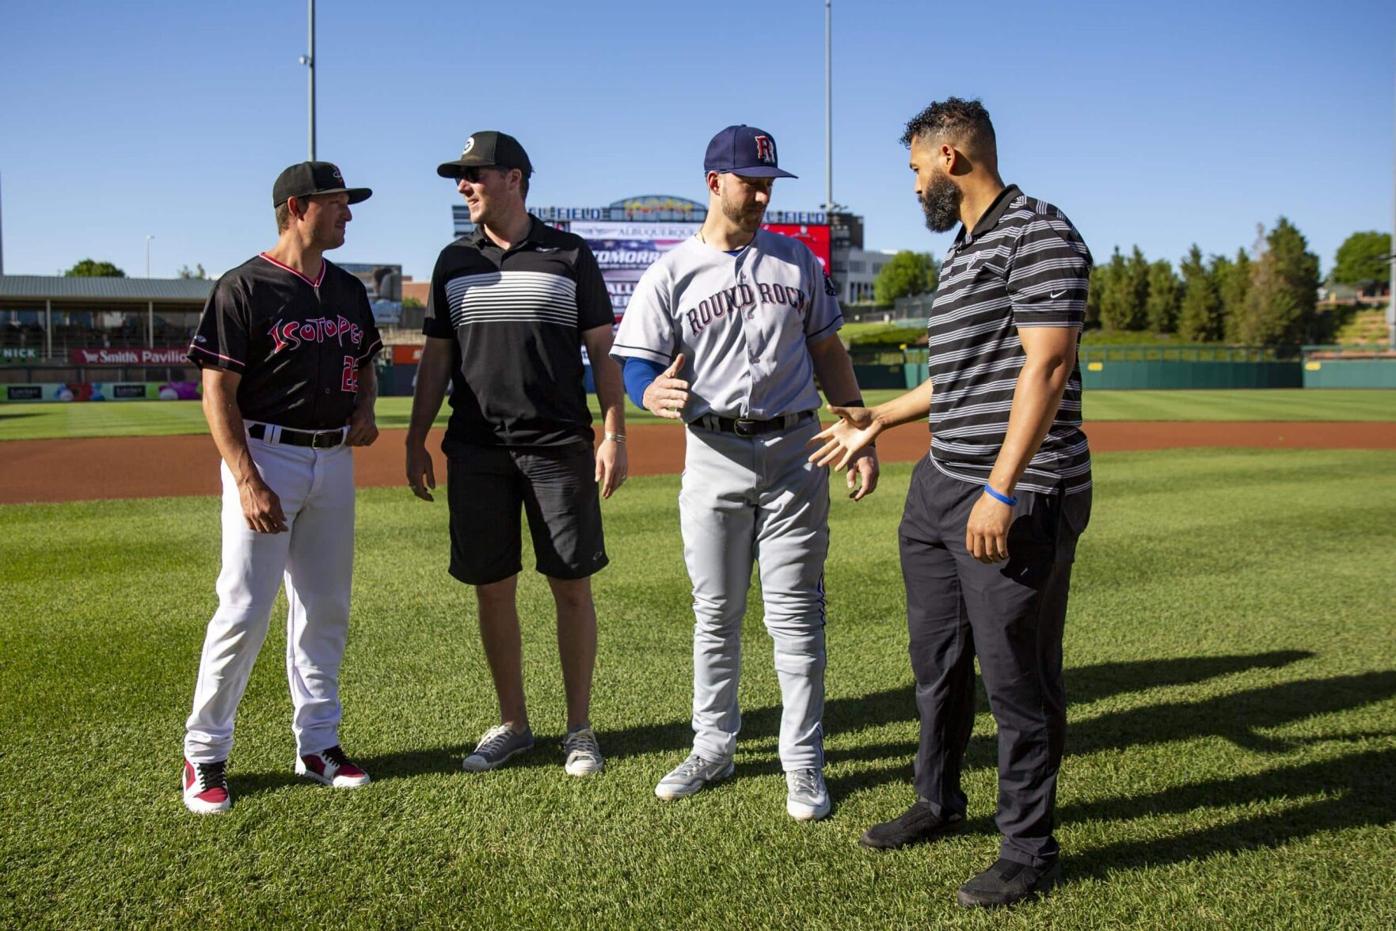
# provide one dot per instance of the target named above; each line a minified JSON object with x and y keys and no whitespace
{"x":989,"y":532}
{"x":286,"y":344}
{"x":511,"y":307}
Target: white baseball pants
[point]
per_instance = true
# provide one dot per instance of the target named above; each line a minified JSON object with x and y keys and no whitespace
{"x":315,"y":558}
{"x":746,"y":499}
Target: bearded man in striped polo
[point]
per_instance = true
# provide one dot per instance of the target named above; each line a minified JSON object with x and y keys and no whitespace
{"x":988,"y":535}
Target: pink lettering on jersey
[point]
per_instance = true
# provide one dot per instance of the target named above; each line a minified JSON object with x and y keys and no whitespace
{"x":289,"y":335}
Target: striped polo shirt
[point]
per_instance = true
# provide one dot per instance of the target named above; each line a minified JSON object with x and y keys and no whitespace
{"x":1023,"y":265}
{"x":516,"y":318}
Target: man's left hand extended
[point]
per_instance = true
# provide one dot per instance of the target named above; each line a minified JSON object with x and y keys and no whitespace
{"x":862,"y":474}
{"x":611,"y":465}
{"x":363,"y":429}
{"x":986,"y":533}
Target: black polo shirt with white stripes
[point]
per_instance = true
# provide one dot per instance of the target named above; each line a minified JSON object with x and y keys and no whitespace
{"x":1023,"y":265}
{"x":516,"y":318}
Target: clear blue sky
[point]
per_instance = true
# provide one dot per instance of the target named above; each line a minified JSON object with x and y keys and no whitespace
{"x":1160,"y":124}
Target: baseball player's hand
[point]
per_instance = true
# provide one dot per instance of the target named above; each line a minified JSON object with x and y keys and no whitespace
{"x":842,"y":439}
{"x":421,"y":476}
{"x":611,"y":466}
{"x":986,"y":534}
{"x":862,"y":474}
{"x":363,"y":429}
{"x":667,"y":394}
{"x":261,"y":508}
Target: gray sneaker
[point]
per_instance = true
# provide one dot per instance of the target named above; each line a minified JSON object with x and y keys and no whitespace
{"x":807,"y":798}
{"x":583,"y":753}
{"x":498,"y":744}
{"x":691,"y":775}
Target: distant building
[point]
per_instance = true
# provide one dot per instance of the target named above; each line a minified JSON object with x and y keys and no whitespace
{"x":863,"y":266}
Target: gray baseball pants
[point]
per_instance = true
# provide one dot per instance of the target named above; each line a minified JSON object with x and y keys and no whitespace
{"x":746,"y":499}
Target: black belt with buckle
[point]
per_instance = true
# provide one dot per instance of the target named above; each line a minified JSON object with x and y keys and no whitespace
{"x":315,"y":439}
{"x":743,"y":427}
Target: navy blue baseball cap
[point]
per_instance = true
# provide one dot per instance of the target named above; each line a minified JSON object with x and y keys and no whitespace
{"x":746,"y":151}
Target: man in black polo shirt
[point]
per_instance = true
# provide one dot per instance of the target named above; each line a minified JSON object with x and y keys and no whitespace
{"x":286,"y":344}
{"x":511,"y":307}
{"x":993,"y":514}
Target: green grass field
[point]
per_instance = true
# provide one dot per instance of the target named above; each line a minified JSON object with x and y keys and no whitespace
{"x":1230,"y":761}
{"x":164,"y":418}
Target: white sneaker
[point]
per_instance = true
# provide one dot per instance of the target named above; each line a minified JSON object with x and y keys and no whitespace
{"x":807,"y":798}
{"x":691,"y":775}
{"x":583,"y":753}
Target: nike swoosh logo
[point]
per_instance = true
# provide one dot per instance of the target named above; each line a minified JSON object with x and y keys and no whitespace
{"x":547,"y":248}
{"x":1055,"y":294}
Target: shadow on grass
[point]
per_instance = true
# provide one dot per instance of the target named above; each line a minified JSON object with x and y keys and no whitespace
{"x":1239,"y":717}
{"x":1354,"y":791}
{"x":384,"y":767}
{"x":898,"y":706}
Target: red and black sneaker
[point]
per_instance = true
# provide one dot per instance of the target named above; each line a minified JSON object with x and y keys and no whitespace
{"x":206,"y":788}
{"x":332,"y":768}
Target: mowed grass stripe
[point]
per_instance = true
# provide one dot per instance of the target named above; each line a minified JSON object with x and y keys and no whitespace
{"x":172,"y":418}
{"x":1232,"y":747}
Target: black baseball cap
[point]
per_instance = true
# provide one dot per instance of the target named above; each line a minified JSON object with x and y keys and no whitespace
{"x":306,"y":178}
{"x":744,"y":150}
{"x":488,"y":149}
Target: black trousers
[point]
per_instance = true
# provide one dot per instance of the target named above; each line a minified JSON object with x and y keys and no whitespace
{"x":1010,"y":615}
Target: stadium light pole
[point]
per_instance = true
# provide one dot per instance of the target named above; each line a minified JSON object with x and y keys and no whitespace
{"x":308,"y":59}
{"x":829,"y":105}
{"x":148,"y":238}
{"x":1391,"y":284}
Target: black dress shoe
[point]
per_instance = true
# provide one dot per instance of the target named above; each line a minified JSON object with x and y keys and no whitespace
{"x":1007,"y":882}
{"x":915,"y":825}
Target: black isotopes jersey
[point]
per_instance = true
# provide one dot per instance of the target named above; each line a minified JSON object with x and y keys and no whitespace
{"x":516,"y":318}
{"x":298,"y":344}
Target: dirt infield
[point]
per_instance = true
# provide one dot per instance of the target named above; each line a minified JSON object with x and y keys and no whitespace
{"x":162,"y":466}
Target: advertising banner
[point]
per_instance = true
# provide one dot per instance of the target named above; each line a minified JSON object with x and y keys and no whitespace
{"x":19,"y":354}
{"x":814,"y":235}
{"x":625,"y":249}
{"x":103,"y":391}
{"x":101,"y":356}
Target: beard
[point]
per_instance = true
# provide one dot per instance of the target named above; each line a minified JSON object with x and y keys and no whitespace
{"x":941,"y":204}
{"x":748,"y":219}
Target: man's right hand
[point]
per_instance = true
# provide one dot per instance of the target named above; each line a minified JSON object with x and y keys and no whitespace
{"x":855,"y":429}
{"x":261,"y":508}
{"x":666,"y":395}
{"x":421,"y":475}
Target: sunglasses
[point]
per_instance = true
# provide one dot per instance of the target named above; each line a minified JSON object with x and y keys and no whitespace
{"x":474,"y":174}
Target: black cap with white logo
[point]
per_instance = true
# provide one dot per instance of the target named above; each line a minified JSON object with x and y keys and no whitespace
{"x":488,"y":149}
{"x":307,"y":178}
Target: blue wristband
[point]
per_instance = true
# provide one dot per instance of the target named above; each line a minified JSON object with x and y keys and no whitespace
{"x":1010,"y":500}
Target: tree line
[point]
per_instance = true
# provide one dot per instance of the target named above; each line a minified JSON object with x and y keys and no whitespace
{"x":1264,"y":297}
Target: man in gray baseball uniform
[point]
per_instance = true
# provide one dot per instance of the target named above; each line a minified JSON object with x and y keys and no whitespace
{"x":727,"y":332}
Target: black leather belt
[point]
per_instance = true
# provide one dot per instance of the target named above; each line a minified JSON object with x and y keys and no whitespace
{"x":315,"y":439}
{"x":742,"y":427}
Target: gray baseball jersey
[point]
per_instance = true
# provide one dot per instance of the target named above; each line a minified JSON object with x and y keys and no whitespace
{"x":743,"y":323}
